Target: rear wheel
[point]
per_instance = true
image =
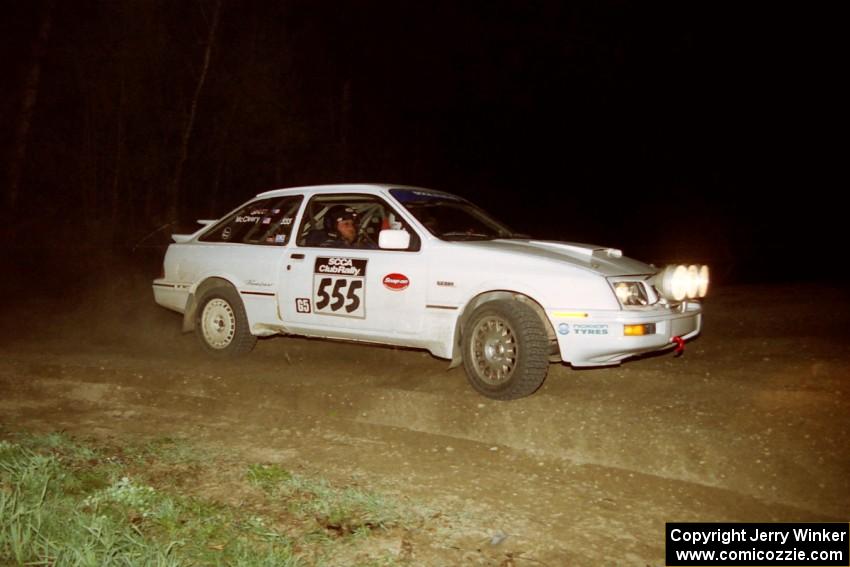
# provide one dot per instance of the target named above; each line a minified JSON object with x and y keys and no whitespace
{"x":222,"y":325}
{"x":505,"y":350}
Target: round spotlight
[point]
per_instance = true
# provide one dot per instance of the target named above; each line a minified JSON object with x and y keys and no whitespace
{"x":679,"y":283}
{"x":703,"y":281}
{"x":693,"y":281}
{"x":672,"y":282}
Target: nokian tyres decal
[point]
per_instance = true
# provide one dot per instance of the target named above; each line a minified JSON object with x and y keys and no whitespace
{"x":339,"y":286}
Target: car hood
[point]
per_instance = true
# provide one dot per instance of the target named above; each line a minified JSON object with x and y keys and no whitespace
{"x":599,"y":259}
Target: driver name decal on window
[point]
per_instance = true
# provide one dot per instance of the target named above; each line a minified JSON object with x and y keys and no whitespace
{"x":339,"y":286}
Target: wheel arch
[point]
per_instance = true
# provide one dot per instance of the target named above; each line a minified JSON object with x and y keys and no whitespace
{"x":192,"y":302}
{"x":494,"y":295}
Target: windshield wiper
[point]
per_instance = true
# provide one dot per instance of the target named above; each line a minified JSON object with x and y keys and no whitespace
{"x":467,"y":236}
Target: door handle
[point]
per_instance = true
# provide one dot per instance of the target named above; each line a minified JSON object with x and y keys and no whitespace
{"x":296,"y":256}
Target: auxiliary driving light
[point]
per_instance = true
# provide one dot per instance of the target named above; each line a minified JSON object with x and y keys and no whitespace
{"x":703,"y":281}
{"x":693,"y":281}
{"x":677,"y":282}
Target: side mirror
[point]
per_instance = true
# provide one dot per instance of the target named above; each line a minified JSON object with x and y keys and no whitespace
{"x":393,"y":239}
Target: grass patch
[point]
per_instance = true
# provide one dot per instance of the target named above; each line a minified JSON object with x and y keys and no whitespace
{"x":64,"y":502}
{"x":268,"y":477}
{"x":339,"y":511}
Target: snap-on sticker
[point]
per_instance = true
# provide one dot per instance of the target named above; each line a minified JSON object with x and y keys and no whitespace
{"x":396,"y":282}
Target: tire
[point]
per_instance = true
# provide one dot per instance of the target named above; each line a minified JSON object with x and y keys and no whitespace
{"x":221,"y":324}
{"x":505,"y":350}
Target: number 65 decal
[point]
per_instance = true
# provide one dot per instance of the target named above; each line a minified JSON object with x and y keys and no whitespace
{"x":339,"y":296}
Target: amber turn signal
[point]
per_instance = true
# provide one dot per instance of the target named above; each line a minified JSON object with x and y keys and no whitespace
{"x":639,"y":330}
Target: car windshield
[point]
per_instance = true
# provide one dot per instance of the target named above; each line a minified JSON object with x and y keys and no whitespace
{"x":450,"y":217}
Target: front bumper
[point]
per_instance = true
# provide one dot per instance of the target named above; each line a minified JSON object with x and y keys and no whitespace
{"x":596,"y":338}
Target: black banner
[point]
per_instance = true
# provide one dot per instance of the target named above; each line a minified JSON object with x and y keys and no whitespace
{"x":340,"y":266}
{"x":694,"y":544}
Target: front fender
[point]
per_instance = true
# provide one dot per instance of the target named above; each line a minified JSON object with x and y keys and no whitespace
{"x":515,"y":290}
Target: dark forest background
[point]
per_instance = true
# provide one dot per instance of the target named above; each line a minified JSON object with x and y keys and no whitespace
{"x":677,"y":132}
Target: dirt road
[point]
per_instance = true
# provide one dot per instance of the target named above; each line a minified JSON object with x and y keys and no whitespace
{"x":752,"y":424}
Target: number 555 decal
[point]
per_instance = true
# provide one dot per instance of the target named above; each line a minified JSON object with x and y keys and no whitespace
{"x":339,"y":286}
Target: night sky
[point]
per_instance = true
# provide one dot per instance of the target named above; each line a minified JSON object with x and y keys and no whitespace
{"x":677,"y":132}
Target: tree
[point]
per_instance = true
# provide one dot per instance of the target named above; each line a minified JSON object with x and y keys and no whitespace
{"x":28,"y":102}
{"x":174,"y":191}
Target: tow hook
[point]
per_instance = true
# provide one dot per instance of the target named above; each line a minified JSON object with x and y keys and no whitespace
{"x":680,"y":346}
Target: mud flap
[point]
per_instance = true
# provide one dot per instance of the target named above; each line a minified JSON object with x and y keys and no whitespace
{"x":189,"y":315}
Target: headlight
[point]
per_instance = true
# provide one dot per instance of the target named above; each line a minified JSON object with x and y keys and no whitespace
{"x":678,"y":282}
{"x":630,"y":293}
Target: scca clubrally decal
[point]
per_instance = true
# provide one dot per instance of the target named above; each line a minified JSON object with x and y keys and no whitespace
{"x":339,"y":286}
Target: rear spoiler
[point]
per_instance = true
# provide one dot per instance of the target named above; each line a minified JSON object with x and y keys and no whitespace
{"x":180,"y":238}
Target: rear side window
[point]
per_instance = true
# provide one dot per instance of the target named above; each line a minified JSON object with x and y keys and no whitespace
{"x":267,"y":222}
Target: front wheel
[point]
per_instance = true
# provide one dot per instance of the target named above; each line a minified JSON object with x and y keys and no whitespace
{"x":505,"y":350}
{"x":222,"y":325}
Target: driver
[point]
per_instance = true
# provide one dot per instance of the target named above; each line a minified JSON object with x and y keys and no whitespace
{"x":342,"y":228}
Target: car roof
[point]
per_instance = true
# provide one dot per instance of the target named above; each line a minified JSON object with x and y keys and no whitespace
{"x":373,"y":188}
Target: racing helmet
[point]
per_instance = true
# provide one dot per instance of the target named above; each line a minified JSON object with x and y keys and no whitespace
{"x":338,"y":213}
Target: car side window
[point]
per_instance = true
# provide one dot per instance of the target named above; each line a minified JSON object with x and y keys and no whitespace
{"x":266,"y":222}
{"x":370,"y":213}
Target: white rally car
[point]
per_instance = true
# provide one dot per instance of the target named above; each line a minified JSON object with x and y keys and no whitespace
{"x":425,"y":269}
